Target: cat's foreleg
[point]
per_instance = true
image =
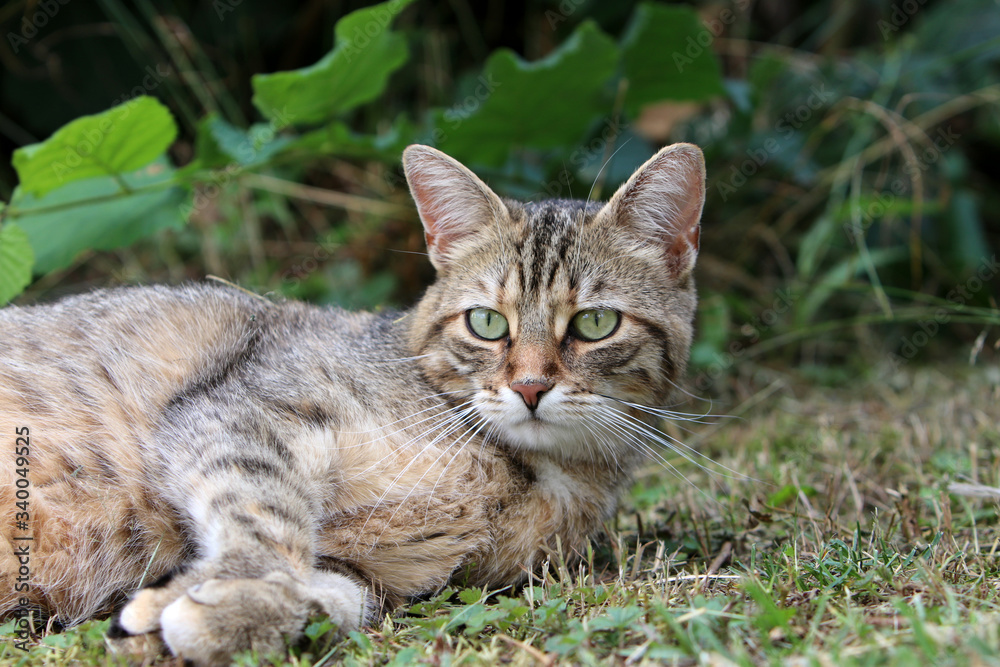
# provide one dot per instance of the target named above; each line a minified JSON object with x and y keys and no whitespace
{"x":253,"y":583}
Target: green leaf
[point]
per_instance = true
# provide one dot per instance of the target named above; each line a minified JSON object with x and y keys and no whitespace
{"x":549,"y":103}
{"x":361,"y":640}
{"x":714,"y":323}
{"x":319,"y":628}
{"x":336,"y":138}
{"x":815,"y":243}
{"x":966,"y":243}
{"x":122,"y":139}
{"x":617,"y":618}
{"x":878,"y":206}
{"x":97,"y":214}
{"x":481,"y":616}
{"x":769,"y":615}
{"x":219,"y":144}
{"x":789,"y":493}
{"x":664,"y":57}
{"x":470,"y":595}
{"x":567,"y":643}
{"x":405,"y":658}
{"x":16,"y":259}
{"x":354,"y":72}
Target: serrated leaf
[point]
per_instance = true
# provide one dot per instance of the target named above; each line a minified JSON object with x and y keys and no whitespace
{"x":354,"y":72}
{"x":617,"y":618}
{"x":566,"y":643}
{"x":544,"y":104}
{"x":16,"y":260}
{"x":470,"y":595}
{"x":664,"y":57}
{"x":121,"y":139}
{"x":97,"y":214}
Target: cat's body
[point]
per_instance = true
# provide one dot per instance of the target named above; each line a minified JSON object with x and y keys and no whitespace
{"x":404,"y":511}
{"x":268,"y":461}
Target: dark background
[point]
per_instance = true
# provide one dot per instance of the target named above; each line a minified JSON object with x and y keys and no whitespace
{"x":88,"y":55}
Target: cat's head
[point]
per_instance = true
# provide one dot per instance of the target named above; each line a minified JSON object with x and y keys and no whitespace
{"x":549,"y":318}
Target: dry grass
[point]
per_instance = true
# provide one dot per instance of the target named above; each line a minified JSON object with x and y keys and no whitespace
{"x":868,"y":534}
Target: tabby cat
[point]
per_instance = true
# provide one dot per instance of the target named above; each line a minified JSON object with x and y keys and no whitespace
{"x":218,"y":467}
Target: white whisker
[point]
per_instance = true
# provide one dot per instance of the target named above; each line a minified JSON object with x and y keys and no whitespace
{"x":635,"y":440}
{"x":403,"y":419}
{"x":452,"y":415}
{"x":454,"y":422}
{"x":415,"y":485}
{"x":687,"y":452}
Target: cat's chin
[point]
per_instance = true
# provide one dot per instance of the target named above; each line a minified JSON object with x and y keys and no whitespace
{"x":569,"y":441}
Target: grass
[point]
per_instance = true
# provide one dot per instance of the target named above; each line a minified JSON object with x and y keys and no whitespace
{"x":870,"y":536}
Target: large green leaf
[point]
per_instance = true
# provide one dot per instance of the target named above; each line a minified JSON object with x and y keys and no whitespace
{"x":545,"y":104}
{"x":667,"y":55}
{"x":121,"y":139}
{"x":97,"y":214}
{"x":355,"y":72}
{"x":16,"y":259}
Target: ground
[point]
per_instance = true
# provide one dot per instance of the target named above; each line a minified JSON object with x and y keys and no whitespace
{"x":838,"y":525}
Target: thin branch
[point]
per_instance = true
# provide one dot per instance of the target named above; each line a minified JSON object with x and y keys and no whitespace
{"x":323,"y":196}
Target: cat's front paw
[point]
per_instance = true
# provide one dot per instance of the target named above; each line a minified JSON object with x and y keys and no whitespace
{"x":209,"y":621}
{"x":220,"y":617}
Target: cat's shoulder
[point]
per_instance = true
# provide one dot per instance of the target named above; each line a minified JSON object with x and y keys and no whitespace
{"x":129,"y":298}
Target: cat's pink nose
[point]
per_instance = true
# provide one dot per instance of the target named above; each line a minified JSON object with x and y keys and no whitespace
{"x":531,"y":391}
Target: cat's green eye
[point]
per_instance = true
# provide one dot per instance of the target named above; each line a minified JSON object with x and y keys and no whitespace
{"x":487,"y":323}
{"x":594,"y":323}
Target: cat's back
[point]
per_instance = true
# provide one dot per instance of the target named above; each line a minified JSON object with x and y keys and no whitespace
{"x":123,"y":351}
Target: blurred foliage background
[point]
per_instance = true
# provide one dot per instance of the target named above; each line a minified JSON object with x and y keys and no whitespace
{"x":853,"y":214}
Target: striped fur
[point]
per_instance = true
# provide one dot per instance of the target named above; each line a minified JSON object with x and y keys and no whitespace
{"x":245,"y":464}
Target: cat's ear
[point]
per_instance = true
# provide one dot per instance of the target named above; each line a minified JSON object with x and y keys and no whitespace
{"x":663,"y":200}
{"x":453,"y":203}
